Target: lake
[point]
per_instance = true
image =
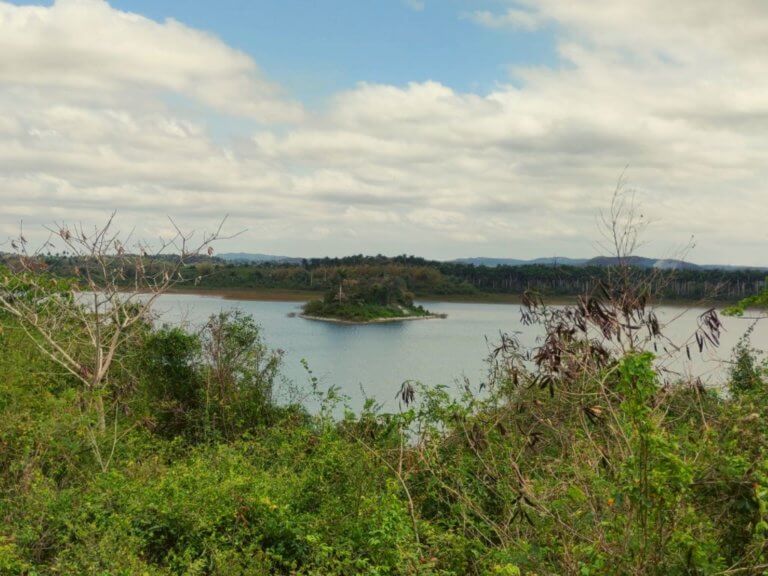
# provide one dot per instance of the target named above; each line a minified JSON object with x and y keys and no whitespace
{"x":374,"y":360}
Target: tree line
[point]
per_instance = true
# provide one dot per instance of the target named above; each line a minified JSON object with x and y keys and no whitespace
{"x":433,"y":278}
{"x":425,"y":278}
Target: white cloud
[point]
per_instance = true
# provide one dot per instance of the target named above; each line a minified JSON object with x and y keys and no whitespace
{"x":512,"y":18}
{"x":87,"y":47}
{"x":122,"y":119}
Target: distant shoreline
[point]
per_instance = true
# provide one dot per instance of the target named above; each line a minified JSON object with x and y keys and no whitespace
{"x":257,"y":294}
{"x":285,"y":295}
{"x":376,"y":321}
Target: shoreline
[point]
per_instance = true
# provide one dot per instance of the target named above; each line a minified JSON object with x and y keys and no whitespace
{"x":259,"y":294}
{"x":285,"y":295}
{"x":377,"y":321}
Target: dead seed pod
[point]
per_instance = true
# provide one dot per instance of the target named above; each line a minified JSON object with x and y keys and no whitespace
{"x":407,"y":393}
{"x":594,"y":413}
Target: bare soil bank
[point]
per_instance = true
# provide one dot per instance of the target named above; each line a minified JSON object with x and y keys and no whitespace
{"x":261,"y":294}
{"x":377,"y":321}
{"x":282,"y":295}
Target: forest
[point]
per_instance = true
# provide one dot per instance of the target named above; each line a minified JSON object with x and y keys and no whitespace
{"x":427,"y":278}
{"x":432,"y":278}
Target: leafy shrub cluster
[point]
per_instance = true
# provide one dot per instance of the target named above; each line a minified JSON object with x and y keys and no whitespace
{"x":217,"y":383}
{"x":365,"y":300}
{"x":577,"y":458}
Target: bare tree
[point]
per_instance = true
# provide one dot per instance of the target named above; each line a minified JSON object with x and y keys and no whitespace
{"x":623,"y":224}
{"x":82,"y":323}
{"x":629,"y":292}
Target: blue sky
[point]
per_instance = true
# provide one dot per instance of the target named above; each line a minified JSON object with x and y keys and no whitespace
{"x":315,"y":48}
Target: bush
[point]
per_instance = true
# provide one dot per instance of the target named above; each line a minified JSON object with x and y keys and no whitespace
{"x":575,"y":459}
{"x":217,"y":383}
{"x":747,"y":373}
{"x":171,"y":363}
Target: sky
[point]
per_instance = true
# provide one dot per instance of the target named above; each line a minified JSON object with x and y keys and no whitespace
{"x":442,"y":128}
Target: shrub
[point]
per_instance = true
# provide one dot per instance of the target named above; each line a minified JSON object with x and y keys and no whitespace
{"x":746,"y":374}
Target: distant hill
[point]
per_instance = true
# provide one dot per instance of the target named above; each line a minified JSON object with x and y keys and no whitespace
{"x":491,"y":262}
{"x":638,"y":261}
{"x":668,"y":264}
{"x":642,"y":262}
{"x":729,"y":267}
{"x":258,"y":258}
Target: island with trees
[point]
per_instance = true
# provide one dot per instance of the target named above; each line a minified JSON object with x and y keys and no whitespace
{"x":358,"y":301}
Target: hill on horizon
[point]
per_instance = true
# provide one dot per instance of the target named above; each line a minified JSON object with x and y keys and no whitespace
{"x":551,"y":261}
{"x":639,"y":261}
{"x":258,"y":258}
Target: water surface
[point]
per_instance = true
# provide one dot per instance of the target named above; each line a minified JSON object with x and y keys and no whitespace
{"x":374,"y":360}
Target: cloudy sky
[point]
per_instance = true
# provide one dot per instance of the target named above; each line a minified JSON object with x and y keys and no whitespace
{"x":444,"y":128}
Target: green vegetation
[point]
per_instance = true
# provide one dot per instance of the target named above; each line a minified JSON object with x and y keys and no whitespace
{"x":576,"y":459}
{"x":369,"y":300}
{"x":758,"y":301}
{"x":425,"y":278}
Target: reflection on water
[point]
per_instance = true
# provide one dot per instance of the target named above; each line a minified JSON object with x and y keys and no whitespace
{"x":374,"y":360}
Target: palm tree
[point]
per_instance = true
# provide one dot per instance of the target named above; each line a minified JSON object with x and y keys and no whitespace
{"x":341,"y":276}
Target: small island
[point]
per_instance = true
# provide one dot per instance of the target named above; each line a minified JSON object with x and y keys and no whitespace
{"x":368,"y":301}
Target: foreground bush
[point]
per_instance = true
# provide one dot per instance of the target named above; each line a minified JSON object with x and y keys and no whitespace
{"x":575,"y":459}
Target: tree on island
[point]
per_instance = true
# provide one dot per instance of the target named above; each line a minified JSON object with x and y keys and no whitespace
{"x":365,"y":300}
{"x":383,"y":291}
{"x":341,"y":277}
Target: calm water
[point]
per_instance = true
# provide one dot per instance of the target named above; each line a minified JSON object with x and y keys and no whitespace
{"x":374,"y":360}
